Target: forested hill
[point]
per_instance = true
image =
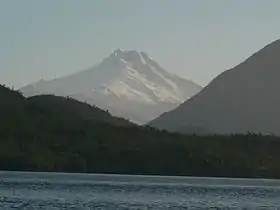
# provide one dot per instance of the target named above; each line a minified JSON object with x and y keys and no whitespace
{"x":54,"y":107}
{"x":48,"y":133}
{"x":60,"y":108}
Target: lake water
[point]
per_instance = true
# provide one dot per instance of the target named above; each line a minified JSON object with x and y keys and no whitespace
{"x":83,"y":192}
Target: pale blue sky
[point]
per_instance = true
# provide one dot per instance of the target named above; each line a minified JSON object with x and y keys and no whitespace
{"x":197,"y":39}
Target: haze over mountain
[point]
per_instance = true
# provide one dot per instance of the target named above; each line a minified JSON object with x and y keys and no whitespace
{"x":242,"y":99}
{"x":128,"y":84}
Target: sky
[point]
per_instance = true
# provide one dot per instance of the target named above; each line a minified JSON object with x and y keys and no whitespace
{"x":196,"y":39}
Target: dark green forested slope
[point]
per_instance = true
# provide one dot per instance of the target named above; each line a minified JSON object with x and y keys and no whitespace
{"x":48,"y":133}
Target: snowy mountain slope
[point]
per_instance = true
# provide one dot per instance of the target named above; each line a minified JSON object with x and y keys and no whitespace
{"x":127,"y":83}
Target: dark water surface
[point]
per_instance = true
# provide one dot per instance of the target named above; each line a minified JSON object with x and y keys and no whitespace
{"x":76,"y":191}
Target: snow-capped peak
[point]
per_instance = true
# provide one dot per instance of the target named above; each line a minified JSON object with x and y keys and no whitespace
{"x":125,"y":80}
{"x":130,"y":56}
{"x":141,"y":79}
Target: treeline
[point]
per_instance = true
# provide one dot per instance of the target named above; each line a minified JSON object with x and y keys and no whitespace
{"x":48,"y":133}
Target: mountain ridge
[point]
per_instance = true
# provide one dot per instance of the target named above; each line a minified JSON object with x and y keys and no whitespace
{"x":240,"y":100}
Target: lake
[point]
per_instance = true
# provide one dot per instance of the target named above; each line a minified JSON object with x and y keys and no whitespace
{"x":23,"y":190}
